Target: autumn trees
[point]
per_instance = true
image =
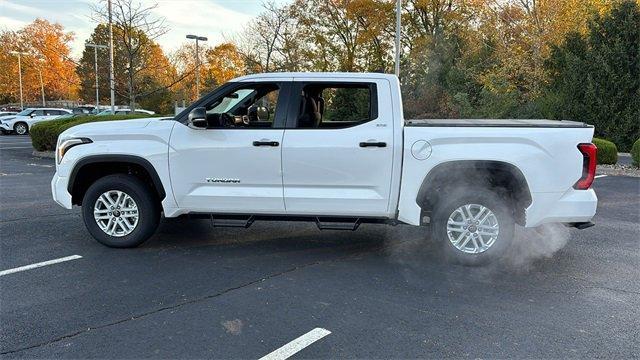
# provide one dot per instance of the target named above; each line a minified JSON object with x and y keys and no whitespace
{"x":47,"y":46}
{"x":572,"y":59}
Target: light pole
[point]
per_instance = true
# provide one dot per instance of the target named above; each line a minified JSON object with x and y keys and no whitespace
{"x":19,"y":73}
{"x":41,"y":60}
{"x":111,"y":80}
{"x":398,"y":34}
{"x":197,"y":39}
{"x":95,"y":62}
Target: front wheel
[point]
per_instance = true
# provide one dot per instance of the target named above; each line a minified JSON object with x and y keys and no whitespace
{"x":21,"y":128}
{"x":475,"y":226}
{"x":120,"y":211}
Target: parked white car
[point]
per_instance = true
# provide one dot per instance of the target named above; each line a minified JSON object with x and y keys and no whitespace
{"x":24,"y":120}
{"x":126,"y":112}
{"x":332,"y":148}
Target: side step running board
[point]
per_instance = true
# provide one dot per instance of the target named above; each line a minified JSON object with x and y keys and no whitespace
{"x":581,"y":225}
{"x":232,"y":221}
{"x":338,"y":224}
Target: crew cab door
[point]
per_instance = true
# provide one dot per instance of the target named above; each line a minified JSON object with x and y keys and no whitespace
{"x":337,"y":155}
{"x":233,"y":166}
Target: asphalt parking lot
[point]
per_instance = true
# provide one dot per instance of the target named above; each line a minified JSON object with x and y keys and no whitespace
{"x":380,"y":292}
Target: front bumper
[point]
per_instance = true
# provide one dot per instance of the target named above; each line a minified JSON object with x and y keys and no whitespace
{"x":572,"y":206}
{"x":59,"y":191}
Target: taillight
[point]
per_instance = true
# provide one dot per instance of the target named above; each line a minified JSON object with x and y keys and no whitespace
{"x":589,"y":157}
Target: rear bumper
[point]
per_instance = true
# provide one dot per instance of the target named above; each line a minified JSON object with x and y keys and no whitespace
{"x":573,"y":206}
{"x":59,"y":191}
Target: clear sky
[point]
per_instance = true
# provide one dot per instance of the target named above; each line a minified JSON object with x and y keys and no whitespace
{"x":215,"y":19}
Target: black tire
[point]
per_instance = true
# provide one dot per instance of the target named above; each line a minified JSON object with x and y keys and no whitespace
{"x":17,"y":128}
{"x":497,"y":201}
{"x":145,"y":199}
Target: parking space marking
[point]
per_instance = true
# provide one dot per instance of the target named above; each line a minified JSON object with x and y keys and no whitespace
{"x":600,"y":176}
{"x":296,"y":345}
{"x":38,"y":265}
{"x":14,"y":147}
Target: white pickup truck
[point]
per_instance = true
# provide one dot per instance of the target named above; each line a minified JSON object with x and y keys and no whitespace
{"x":333,"y":148}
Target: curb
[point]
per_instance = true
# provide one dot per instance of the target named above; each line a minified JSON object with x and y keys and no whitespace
{"x":44,"y":154}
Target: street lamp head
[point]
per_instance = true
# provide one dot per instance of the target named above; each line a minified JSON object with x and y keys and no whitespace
{"x":88,"y":44}
{"x":196,"y":37}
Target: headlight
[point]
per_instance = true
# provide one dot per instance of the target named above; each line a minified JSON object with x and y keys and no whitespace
{"x":65,"y":144}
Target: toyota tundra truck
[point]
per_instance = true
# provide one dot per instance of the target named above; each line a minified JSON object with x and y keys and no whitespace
{"x":334,"y":149}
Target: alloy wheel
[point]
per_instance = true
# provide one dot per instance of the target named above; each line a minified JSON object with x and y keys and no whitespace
{"x":116,"y":213}
{"x":472,"y":228}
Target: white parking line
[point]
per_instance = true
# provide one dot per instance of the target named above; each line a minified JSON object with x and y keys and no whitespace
{"x":40,"y":264}
{"x":600,"y":176}
{"x":296,"y":345}
{"x":15,"y":147}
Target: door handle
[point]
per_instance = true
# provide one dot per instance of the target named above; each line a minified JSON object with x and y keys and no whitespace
{"x":373,"y":143}
{"x":266,"y":143}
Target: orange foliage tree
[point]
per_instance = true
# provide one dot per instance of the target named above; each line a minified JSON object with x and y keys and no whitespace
{"x":48,"y":53}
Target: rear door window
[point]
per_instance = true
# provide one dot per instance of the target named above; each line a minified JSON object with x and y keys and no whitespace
{"x":326,"y":105}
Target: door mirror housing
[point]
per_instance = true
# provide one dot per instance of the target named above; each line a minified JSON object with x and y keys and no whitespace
{"x":32,"y":115}
{"x":197,"y":118}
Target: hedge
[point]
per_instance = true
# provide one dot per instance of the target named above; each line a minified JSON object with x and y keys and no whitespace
{"x":44,"y":135}
{"x":607,"y":151}
{"x":635,"y":153}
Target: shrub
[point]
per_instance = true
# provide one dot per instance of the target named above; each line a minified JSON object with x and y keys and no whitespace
{"x":44,"y":135}
{"x":635,"y":153}
{"x":607,"y":151}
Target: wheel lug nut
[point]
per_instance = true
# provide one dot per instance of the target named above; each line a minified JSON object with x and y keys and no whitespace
{"x":109,"y":213}
{"x":464,"y":227}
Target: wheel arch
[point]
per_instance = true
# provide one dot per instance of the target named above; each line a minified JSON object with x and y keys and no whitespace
{"x":91,"y":168}
{"x":467,"y":173}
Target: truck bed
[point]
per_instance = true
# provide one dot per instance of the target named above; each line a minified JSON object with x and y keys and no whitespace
{"x":529,"y":123}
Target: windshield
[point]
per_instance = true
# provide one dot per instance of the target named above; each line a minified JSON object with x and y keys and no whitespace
{"x":228,"y":102}
{"x":25,"y":112}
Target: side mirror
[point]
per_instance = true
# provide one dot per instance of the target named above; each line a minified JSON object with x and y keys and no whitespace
{"x":32,"y":115}
{"x":197,"y":118}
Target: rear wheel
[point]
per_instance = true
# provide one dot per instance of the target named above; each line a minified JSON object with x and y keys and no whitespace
{"x":475,"y":226}
{"x":21,"y":128}
{"x":120,"y":211}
